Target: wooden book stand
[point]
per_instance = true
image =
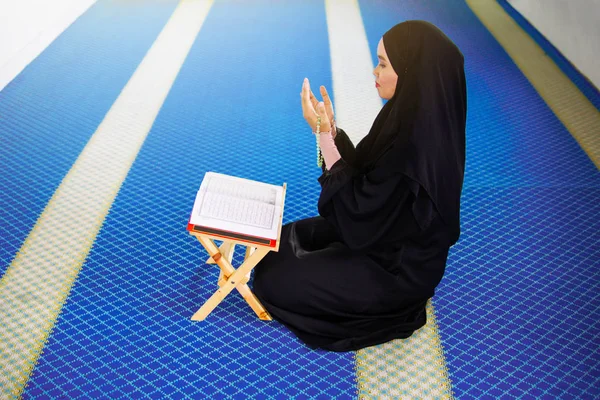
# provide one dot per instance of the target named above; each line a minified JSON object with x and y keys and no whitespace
{"x":231,"y":278}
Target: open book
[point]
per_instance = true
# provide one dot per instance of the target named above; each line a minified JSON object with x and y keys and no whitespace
{"x":238,"y":208}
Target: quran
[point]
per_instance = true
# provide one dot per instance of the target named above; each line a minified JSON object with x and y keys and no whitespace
{"x":236,"y":208}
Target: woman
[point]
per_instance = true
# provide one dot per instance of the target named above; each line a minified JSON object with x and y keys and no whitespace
{"x":361,"y":273}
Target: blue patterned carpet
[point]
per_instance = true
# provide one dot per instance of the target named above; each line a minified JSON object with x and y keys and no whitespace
{"x":518,"y":309}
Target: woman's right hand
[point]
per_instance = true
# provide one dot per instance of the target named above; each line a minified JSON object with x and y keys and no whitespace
{"x":326,"y":101}
{"x":313,"y":112}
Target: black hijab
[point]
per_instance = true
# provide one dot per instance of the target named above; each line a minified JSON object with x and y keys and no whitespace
{"x":423,"y":124}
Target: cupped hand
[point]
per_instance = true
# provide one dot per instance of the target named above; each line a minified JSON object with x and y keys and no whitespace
{"x":326,"y":101}
{"x":313,"y":110}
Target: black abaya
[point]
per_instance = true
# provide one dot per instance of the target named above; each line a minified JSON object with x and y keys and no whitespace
{"x":349,"y":289}
{"x":361,"y":273}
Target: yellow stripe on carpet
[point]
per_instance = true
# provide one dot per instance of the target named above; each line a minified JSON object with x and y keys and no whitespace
{"x":572,"y":108}
{"x":38,"y":281}
{"x":413,"y":368}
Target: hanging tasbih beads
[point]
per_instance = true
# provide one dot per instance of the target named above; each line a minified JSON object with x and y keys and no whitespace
{"x":318,"y":138}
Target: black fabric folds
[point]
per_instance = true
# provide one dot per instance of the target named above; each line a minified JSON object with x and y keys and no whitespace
{"x":423,"y":124}
{"x":361,"y":273}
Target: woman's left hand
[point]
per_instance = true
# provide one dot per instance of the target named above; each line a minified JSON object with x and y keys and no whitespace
{"x":311,"y":114}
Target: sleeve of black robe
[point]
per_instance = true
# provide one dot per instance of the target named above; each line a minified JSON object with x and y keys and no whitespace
{"x":345,"y":146}
{"x":369,"y":209}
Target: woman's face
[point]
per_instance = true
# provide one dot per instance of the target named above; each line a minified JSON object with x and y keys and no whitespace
{"x":385,"y":76}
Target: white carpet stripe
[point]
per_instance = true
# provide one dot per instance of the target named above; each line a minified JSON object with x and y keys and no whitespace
{"x":356,"y":100}
{"x":40,"y":277}
{"x":401,"y":369}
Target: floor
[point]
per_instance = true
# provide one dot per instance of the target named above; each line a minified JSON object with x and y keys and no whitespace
{"x":517,"y":313}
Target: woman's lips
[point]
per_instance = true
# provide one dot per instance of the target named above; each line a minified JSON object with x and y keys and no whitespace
{"x":377,"y":84}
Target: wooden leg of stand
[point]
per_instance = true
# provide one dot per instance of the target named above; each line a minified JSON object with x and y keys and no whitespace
{"x":227,"y":251}
{"x":237,"y":279}
{"x":222,"y":249}
{"x":249,"y":296}
{"x":233,"y":281}
{"x":249,"y":251}
{"x":253,"y":302}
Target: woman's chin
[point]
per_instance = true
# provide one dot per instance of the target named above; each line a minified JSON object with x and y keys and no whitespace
{"x":383,"y":96}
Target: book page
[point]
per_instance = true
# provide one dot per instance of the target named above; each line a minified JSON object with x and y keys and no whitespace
{"x":239,"y":210}
{"x":238,"y":205}
{"x":242,"y":190}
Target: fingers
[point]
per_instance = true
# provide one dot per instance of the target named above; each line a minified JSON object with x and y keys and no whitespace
{"x":321,"y":110}
{"x":327,"y":101}
{"x":325,"y":122}
{"x":313,"y":99}
{"x":326,"y":98}
{"x":308,"y":109}
{"x":312,"y":108}
{"x":307,"y":106}
{"x":325,"y":94}
{"x":304,"y":86}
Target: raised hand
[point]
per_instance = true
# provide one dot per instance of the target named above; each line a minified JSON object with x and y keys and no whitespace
{"x":326,"y":101}
{"x":312,"y":109}
{"x":328,"y":104}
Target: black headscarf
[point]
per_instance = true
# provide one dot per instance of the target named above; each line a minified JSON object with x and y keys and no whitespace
{"x":423,"y":124}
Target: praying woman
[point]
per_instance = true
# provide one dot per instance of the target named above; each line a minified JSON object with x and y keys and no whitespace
{"x":361,"y":272}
